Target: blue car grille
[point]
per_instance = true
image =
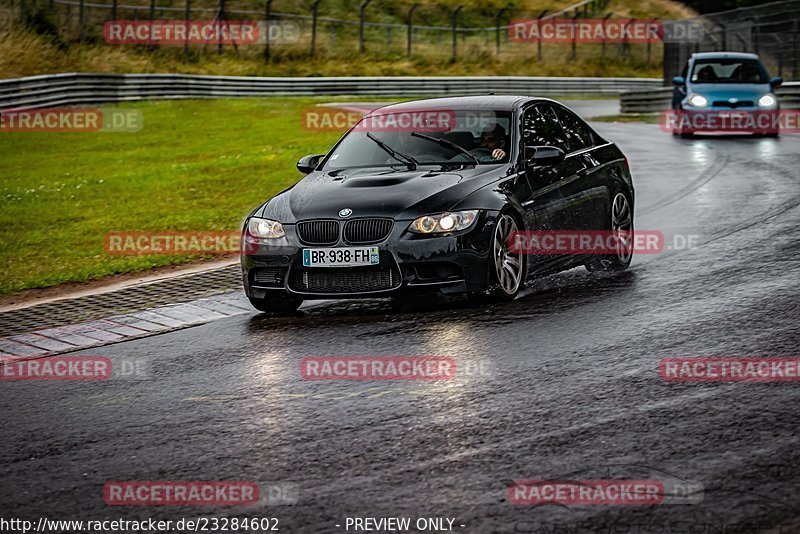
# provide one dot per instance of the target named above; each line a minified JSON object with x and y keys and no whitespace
{"x":734,"y":105}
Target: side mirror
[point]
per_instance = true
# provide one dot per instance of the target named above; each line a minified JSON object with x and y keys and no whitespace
{"x":679,"y":81}
{"x":307,"y":164}
{"x":776,"y":82}
{"x":544,"y":155}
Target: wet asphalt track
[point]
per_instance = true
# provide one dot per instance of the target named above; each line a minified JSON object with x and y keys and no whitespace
{"x":569,"y":386}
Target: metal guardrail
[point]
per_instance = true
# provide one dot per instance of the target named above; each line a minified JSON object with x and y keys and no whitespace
{"x":660,"y":99}
{"x":78,"y":88}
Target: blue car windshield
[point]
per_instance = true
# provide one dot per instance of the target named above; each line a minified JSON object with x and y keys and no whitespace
{"x":728,"y":71}
{"x":425,"y":137}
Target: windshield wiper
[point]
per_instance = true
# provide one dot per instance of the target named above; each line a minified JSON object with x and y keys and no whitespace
{"x":410,"y":162}
{"x":449,"y":144}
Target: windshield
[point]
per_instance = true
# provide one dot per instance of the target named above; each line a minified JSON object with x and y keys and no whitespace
{"x":728,"y":71}
{"x":425,"y":137}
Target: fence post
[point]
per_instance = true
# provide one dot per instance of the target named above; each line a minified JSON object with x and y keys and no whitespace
{"x":572,"y":27}
{"x":539,"y":36}
{"x":81,"y":7}
{"x":794,"y":49}
{"x":314,"y":13}
{"x":497,"y":25}
{"x":409,"y":23}
{"x":114,"y":10}
{"x":267,"y":14}
{"x":221,"y":19}
{"x":755,"y":36}
{"x":187,"y":15}
{"x":151,"y":18}
{"x":455,"y":13}
{"x":603,"y":45}
{"x":364,"y":5}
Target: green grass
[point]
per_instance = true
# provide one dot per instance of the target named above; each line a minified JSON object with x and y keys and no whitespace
{"x":196,"y":166}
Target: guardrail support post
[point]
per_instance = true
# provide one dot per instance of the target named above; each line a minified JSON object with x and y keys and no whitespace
{"x":314,"y":13}
{"x":364,"y":5}
{"x":455,"y":13}
{"x":410,"y":26}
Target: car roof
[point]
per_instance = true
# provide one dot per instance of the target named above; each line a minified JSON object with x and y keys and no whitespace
{"x":488,"y":102}
{"x":724,"y":55}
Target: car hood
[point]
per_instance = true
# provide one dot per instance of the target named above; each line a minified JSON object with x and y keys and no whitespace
{"x":378,"y":192}
{"x":725,"y":91}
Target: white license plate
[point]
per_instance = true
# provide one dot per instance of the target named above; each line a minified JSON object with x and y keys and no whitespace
{"x":340,"y":257}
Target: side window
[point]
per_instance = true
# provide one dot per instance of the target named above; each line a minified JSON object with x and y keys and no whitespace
{"x":578,"y":135}
{"x":541,"y":128}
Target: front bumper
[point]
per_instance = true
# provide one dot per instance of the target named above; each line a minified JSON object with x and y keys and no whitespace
{"x":409,"y":263}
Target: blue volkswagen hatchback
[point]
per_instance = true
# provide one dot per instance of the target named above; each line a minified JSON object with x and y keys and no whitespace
{"x":723,"y":83}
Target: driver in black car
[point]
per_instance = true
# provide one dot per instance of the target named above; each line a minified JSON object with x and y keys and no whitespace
{"x":493,"y":138}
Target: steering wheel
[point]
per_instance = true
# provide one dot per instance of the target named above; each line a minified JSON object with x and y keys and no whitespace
{"x":483,"y":154}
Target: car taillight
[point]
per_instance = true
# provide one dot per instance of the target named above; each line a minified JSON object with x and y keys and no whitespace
{"x":628,"y":164}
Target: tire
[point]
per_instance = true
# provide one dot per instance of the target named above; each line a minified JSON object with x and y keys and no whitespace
{"x":505,"y":269}
{"x":276,"y":304}
{"x":620,"y":220}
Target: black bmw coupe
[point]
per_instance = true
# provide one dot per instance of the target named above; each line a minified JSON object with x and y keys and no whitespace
{"x":428,"y":195}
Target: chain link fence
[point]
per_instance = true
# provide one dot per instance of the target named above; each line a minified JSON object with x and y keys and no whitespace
{"x":316,"y":34}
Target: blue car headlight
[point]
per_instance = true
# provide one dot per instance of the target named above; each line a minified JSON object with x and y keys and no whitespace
{"x":767,"y":101}
{"x":697,"y":100}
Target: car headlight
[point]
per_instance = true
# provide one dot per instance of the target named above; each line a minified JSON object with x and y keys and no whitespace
{"x":444,"y":222}
{"x":698,"y":101}
{"x":767,"y":101}
{"x":265,"y":228}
